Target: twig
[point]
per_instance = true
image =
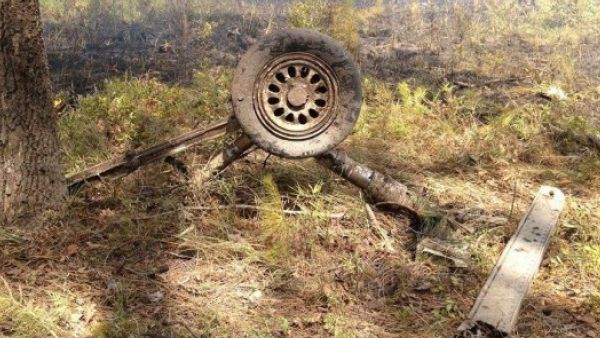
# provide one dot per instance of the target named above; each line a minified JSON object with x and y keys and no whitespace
{"x":460,"y":225}
{"x":371,"y":219}
{"x":241,"y":147}
{"x":373,"y":222}
{"x":338,"y":215}
{"x":463,"y":84}
{"x":544,"y":96}
{"x":334,"y":215}
{"x":266,"y":160}
{"x":512,"y":204}
{"x":487,"y":83}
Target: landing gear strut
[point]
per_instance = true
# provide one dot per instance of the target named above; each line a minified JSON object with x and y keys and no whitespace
{"x":295,"y":94}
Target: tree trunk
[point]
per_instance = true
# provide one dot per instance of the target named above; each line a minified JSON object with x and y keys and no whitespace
{"x":31,"y":177}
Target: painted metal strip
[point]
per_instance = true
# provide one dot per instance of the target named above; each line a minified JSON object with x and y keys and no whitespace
{"x":500,"y":300}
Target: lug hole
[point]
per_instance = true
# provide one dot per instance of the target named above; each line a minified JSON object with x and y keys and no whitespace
{"x":279,"y":111}
{"x":289,"y":118}
{"x":304,"y":72}
{"x":273,"y":100}
{"x":302,"y":119}
{"x":273,"y":88}
{"x":292,"y":71}
{"x":280,"y":77}
{"x":320,"y":103}
{"x":315,"y":79}
{"x":313,"y":113}
{"x":321,"y":89}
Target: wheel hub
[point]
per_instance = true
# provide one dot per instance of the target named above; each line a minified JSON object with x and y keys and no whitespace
{"x":295,"y":96}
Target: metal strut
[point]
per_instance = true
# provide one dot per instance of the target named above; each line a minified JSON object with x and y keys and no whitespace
{"x":128,"y":163}
{"x":222,"y":160}
{"x":386,"y":192}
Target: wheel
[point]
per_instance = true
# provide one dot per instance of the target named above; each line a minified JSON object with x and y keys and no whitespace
{"x":296,"y":93}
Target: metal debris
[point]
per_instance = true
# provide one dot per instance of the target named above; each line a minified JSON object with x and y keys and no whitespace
{"x":453,"y":251}
{"x":128,"y":163}
{"x":156,"y":297}
{"x":384,"y":190}
{"x":554,"y":92}
{"x":500,"y":299}
{"x":226,"y":157}
{"x":289,"y":102}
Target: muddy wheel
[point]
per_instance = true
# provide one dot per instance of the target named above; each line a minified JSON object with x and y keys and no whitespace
{"x":296,"y":93}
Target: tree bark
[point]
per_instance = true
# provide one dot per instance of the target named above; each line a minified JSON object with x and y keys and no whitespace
{"x":31,"y":177}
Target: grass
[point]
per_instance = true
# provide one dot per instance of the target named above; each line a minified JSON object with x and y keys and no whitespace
{"x":452,"y":107}
{"x":332,"y":18}
{"x":27,"y":319}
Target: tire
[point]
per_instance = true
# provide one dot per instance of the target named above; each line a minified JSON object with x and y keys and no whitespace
{"x":312,"y":114}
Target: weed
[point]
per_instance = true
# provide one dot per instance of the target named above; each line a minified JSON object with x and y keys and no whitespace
{"x":309,"y":14}
{"x":275,"y":229}
{"x":340,"y":19}
{"x":340,"y":326}
{"x":343,"y":25}
{"x":26,"y":319}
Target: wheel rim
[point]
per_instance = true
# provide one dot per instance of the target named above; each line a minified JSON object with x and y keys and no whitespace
{"x":295,"y":96}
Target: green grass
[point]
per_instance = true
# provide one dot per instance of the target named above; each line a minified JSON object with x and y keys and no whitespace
{"x":26,"y":319}
{"x":339,"y":19}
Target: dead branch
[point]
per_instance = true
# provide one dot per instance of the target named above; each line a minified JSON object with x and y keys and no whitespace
{"x":386,"y":241}
{"x":332,"y":215}
{"x":462,"y":84}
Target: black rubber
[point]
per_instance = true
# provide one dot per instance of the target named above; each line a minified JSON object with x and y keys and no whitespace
{"x":327,"y":49}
